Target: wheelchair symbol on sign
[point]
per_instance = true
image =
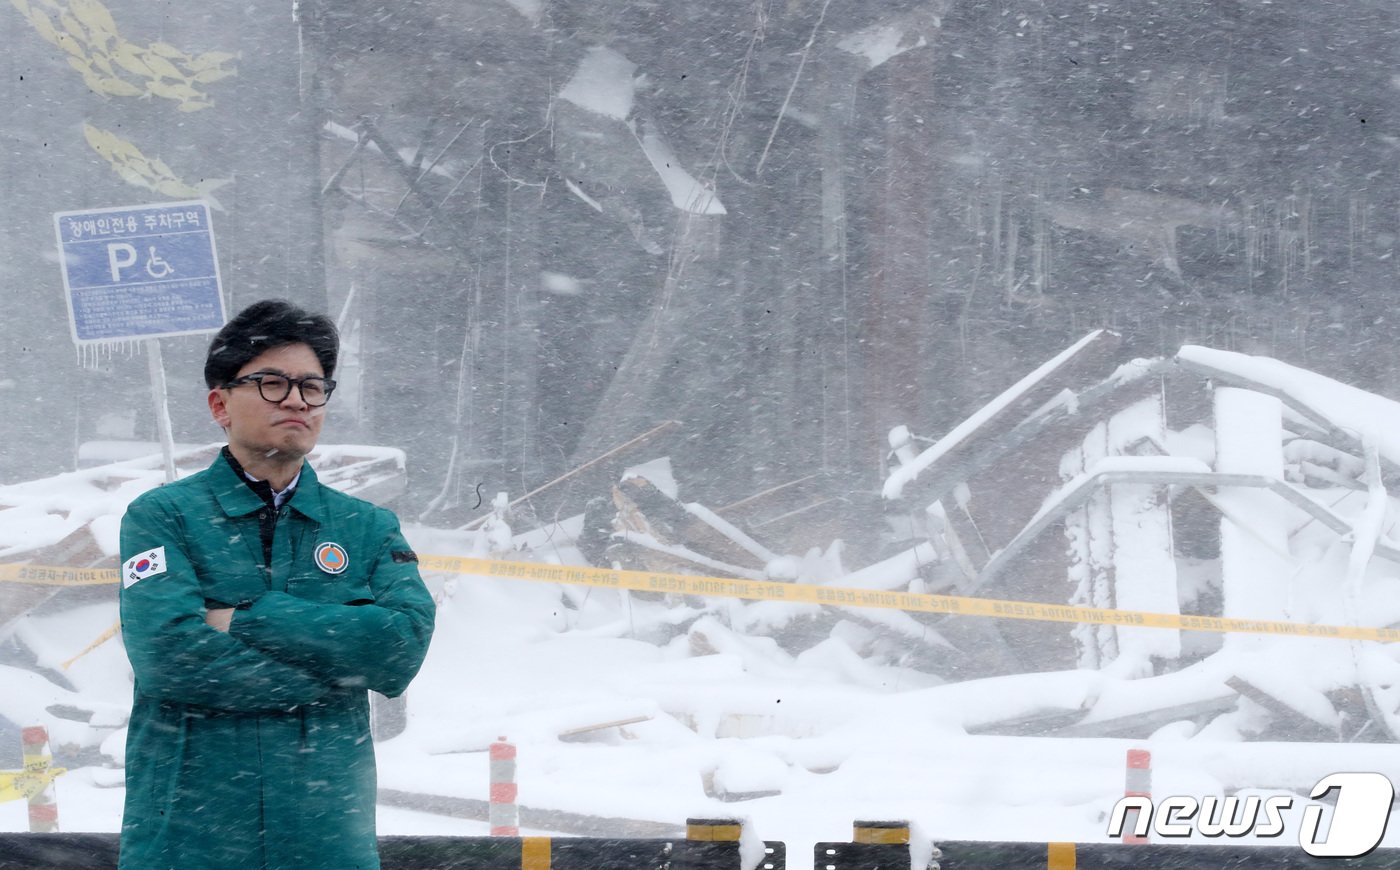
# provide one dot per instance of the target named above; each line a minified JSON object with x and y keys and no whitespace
{"x":156,"y":267}
{"x":120,"y":255}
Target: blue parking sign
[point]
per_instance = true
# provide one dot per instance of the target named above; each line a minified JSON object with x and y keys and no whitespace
{"x":140,"y":272}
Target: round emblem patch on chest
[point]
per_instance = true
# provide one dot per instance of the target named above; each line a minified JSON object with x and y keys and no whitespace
{"x":331,"y":558}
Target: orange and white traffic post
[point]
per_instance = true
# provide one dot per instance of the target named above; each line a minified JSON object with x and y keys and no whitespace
{"x":503,"y":813}
{"x":1137,"y":783}
{"x":34,"y":782}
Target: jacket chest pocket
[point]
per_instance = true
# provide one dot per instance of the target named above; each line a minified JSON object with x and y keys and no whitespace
{"x":231,"y":571}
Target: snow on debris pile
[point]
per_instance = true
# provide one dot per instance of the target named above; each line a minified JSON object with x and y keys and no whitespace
{"x":904,"y":474}
{"x":1348,"y":408}
{"x":1093,"y":500}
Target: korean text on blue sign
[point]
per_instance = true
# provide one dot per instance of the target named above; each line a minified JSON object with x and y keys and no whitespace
{"x":140,"y":272}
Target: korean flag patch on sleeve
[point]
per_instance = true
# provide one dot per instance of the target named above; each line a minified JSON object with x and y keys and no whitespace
{"x":147,"y":563}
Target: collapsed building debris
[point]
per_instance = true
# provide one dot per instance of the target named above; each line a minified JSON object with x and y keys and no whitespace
{"x":1209,"y":484}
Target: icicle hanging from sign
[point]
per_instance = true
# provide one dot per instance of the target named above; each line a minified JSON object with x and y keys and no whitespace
{"x":95,"y":355}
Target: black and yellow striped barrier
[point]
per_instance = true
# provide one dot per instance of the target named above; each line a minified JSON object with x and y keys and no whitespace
{"x":886,"y":846}
{"x":800,"y":593}
{"x":873,"y":846}
{"x":99,"y":852}
{"x":708,"y":845}
{"x":955,"y":855}
{"x":558,"y":853}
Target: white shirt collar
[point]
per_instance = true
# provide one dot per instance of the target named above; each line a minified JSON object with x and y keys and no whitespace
{"x":278,"y":497}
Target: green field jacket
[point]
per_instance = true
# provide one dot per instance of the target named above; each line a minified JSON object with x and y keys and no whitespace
{"x":251,"y":748}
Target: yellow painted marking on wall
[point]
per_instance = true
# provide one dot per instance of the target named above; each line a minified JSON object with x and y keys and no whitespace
{"x":1059,"y":856}
{"x":713,"y":833}
{"x":797,"y":593}
{"x":882,"y":836}
{"x":534,"y":853}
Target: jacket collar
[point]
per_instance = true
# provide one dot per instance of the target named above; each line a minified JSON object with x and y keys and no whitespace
{"x":237,"y":499}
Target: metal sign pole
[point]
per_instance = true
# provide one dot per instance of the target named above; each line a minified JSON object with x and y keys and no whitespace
{"x":167,"y":436}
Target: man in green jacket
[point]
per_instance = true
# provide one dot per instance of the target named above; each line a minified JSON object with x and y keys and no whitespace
{"x":258,"y":607}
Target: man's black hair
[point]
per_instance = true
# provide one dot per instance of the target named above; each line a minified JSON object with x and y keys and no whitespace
{"x":263,"y":326}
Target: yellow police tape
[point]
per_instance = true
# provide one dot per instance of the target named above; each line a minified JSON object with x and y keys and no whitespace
{"x":798,"y":593}
{"x":24,"y":784}
{"x":41,"y":575}
{"x":839,"y":596}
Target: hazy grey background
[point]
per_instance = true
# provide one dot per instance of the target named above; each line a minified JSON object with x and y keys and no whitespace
{"x":900,"y":241}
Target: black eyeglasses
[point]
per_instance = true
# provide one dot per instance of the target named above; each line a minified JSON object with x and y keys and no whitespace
{"x":276,"y":388}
